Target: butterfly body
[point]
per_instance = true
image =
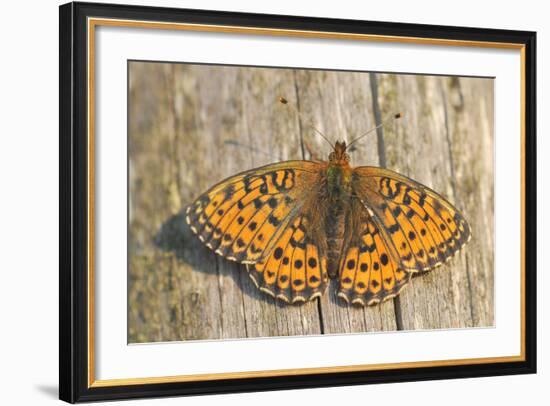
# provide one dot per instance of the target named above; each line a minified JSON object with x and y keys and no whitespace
{"x":338,"y":192}
{"x":297,"y":223}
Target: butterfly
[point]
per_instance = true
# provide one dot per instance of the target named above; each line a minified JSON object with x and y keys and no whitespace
{"x":298,"y":224}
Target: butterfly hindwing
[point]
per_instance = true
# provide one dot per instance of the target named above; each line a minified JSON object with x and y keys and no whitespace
{"x":369,"y":272}
{"x":423,"y":227}
{"x":295,"y":270}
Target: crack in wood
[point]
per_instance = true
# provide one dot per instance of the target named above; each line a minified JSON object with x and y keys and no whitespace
{"x":382,"y":162}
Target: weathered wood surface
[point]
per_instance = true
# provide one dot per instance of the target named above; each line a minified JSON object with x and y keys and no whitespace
{"x":181,"y":119}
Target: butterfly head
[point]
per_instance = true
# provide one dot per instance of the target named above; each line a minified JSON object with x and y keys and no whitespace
{"x":339,"y":156}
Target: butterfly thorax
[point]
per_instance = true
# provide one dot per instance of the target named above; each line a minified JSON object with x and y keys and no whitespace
{"x":339,"y":191}
{"x":338,"y":182}
{"x":339,"y":173}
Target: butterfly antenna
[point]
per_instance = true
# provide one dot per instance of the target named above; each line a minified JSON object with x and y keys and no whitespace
{"x":383,"y":123}
{"x":284,"y":101}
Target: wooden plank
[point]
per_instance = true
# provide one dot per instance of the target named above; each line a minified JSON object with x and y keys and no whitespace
{"x":192,"y":126}
{"x":338,"y":105}
{"x":470,"y":106}
{"x":431,"y":145}
{"x":263,"y":127}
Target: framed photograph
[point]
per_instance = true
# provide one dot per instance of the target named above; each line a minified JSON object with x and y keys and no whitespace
{"x":255,"y":202}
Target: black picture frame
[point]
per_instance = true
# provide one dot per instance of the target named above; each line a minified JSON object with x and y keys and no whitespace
{"x":73,"y":283}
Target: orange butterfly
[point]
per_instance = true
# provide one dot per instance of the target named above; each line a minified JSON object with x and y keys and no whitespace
{"x":297,"y":223}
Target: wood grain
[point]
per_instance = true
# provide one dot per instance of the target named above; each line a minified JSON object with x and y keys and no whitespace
{"x":191,"y":126}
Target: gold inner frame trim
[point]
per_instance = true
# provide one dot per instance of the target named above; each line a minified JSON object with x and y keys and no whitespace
{"x":94,"y":22}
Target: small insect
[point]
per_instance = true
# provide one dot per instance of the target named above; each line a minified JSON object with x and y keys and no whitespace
{"x":297,"y":224}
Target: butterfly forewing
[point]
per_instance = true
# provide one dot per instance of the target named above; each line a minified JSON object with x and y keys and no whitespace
{"x":424,"y":229}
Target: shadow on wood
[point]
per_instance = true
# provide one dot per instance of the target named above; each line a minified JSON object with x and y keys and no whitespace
{"x":176,"y":237}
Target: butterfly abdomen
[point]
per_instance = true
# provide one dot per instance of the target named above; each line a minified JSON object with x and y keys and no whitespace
{"x":335,"y":227}
{"x":339,"y":191}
